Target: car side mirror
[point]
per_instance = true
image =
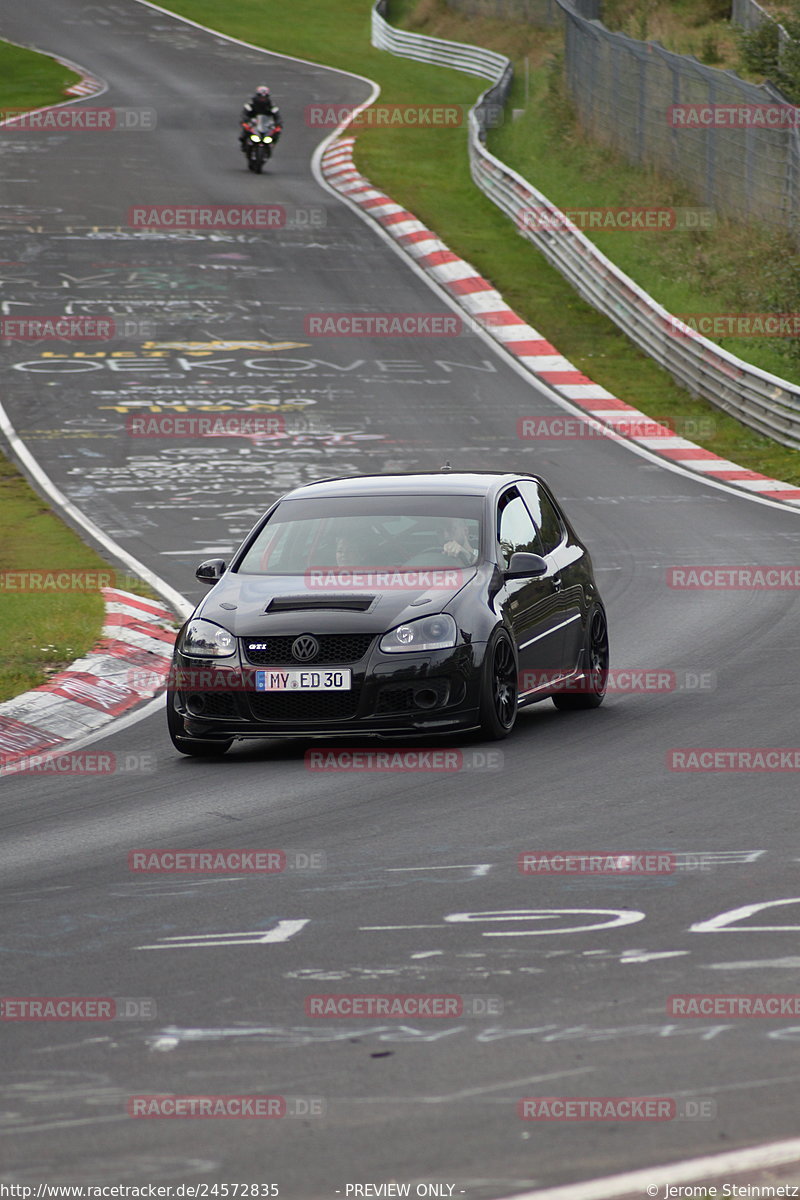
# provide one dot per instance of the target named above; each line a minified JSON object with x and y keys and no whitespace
{"x":210,"y":571}
{"x":525,"y":566}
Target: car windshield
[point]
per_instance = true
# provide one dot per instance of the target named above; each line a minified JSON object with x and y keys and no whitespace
{"x":367,"y":531}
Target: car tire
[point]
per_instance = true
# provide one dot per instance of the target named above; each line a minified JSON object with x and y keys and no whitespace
{"x":596,"y":662}
{"x":498,"y":705}
{"x":194,"y":747}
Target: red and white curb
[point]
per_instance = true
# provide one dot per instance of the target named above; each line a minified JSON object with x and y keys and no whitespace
{"x":486,"y":307}
{"x":88,"y":86}
{"x":130,"y":664}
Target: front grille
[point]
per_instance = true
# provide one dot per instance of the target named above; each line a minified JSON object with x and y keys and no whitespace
{"x":339,"y":648}
{"x":311,"y":706}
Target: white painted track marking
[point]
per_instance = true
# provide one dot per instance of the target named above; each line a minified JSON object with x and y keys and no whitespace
{"x":618,"y":917}
{"x":713,"y":1166}
{"x":476,"y":868}
{"x":724,"y":921}
{"x":257,"y":937}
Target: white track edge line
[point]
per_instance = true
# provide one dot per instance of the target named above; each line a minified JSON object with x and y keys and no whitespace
{"x":156,"y":705}
{"x":752,"y":1158}
{"x":170,"y":594}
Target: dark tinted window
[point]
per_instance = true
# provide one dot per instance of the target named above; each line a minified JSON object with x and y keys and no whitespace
{"x":515,"y":529}
{"x":367,"y":531}
{"x":548,"y":522}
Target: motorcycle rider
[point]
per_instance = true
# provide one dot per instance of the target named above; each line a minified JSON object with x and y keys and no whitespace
{"x":260,"y":104}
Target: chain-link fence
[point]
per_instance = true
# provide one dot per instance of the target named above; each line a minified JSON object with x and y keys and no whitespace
{"x":749,"y":14}
{"x":733,"y":143}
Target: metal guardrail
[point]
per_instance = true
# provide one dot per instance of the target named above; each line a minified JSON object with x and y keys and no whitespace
{"x":474,"y":60}
{"x":762,"y":401}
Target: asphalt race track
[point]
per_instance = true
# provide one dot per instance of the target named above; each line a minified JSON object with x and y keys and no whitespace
{"x":566,"y":1009}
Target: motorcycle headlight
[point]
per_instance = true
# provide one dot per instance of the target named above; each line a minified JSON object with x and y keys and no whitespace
{"x":427,"y":633}
{"x":267,"y":139}
{"x":254,"y":137}
{"x":204,"y":639}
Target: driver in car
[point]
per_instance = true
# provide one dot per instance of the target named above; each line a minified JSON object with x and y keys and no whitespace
{"x":347,"y":552}
{"x":457,"y":543}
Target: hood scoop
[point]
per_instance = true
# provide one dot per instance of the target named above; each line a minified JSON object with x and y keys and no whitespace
{"x":348,"y":602}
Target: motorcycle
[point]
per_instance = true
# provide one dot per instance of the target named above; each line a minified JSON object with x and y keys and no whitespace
{"x":261,"y":136}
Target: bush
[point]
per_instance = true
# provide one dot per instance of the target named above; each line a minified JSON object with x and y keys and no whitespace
{"x":709,"y":51}
{"x":787,"y":72}
{"x":759,"y":47}
{"x":719,"y":10}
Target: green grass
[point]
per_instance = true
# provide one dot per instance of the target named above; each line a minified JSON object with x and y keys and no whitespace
{"x":30,"y":80}
{"x":439,"y":190}
{"x":729,"y":268}
{"x":44,"y":631}
{"x":41,"y":633}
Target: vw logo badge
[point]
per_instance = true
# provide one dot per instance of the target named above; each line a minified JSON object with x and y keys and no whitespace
{"x":305,"y":647}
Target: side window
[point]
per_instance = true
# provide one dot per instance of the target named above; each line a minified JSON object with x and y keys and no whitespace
{"x":515,"y":529}
{"x":548,"y":522}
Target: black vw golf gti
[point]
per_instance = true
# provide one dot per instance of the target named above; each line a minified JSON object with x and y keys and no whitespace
{"x":390,"y":605}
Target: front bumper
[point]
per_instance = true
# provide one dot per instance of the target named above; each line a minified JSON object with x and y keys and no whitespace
{"x":391,"y":694}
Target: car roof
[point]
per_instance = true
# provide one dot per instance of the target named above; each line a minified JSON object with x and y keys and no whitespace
{"x":453,"y":483}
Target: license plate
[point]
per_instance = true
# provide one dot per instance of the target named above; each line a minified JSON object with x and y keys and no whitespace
{"x":303,"y":681}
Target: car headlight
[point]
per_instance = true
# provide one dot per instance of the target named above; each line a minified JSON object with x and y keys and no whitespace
{"x":426,"y":633}
{"x":204,"y":639}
